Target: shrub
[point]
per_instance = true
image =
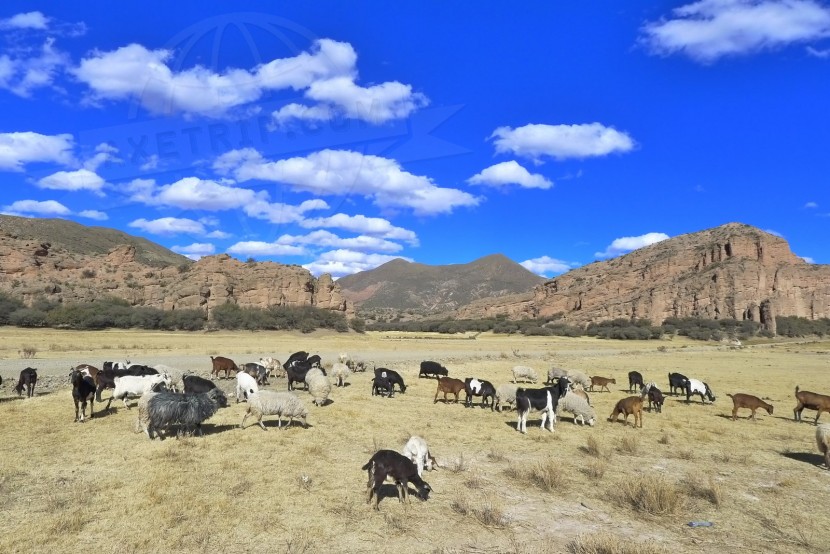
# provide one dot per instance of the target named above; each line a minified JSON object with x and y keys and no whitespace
{"x":8,"y":304}
{"x":28,"y":317}
{"x":358,"y":325}
{"x":88,"y":273}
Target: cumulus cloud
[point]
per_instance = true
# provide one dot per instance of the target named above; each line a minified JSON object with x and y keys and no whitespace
{"x":811,"y":205}
{"x":196,"y":250}
{"x":347,"y":173}
{"x":260,"y":248}
{"x":710,"y":29}
{"x":345,"y":262}
{"x":94,"y":214}
{"x":774,"y":233}
{"x":19,"y":149}
{"x":35,"y":207}
{"x":28,"y":20}
{"x":510,"y":173}
{"x":169,"y":226}
{"x":373,"y":226}
{"x":627,"y":244}
{"x":73,"y":181}
{"x":31,"y":68}
{"x":808,"y":259}
{"x":326,"y":239}
{"x":536,"y":141}
{"x":103,"y":153}
{"x":547,"y":266}
{"x":192,"y":193}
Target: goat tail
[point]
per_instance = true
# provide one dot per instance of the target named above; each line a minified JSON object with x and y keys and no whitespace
{"x":729,"y":395}
{"x":368,"y":465}
{"x":796,"y":389}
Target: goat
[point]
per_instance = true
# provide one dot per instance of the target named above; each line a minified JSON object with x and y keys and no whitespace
{"x":655,"y":397}
{"x":314,"y":360}
{"x":740,"y":400}
{"x":296,"y":373}
{"x":83,"y":391}
{"x":449,"y":385}
{"x":429,"y":368}
{"x":27,"y":380}
{"x":161,"y":410}
{"x":245,"y":386}
{"x":388,"y":463}
{"x":693,"y":386}
{"x":628,"y":406}
{"x":193,"y":384}
{"x":381,"y":385}
{"x":602,"y":382}
{"x":579,"y":391}
{"x":221,"y":363}
{"x":635,"y":379}
{"x":273,"y":365}
{"x":300,"y":356}
{"x":544,"y":400}
{"x":393,"y":376}
{"x":677,"y":381}
{"x":257,"y":371}
{"x":811,"y":401}
{"x":479,"y":387}
{"x":416,"y":449}
{"x":105,"y":379}
{"x":132,"y":385}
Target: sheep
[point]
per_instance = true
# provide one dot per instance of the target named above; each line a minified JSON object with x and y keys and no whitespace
{"x":811,"y":401}
{"x":132,"y":385}
{"x":245,"y":386}
{"x":579,"y":407}
{"x":340,"y":372}
{"x":266,"y":402}
{"x":628,"y":406}
{"x":524,"y":372}
{"x":318,"y":385}
{"x":602,"y":382}
{"x":578,"y":378}
{"x":105,"y":379}
{"x":449,"y":385}
{"x":273,"y":365}
{"x":165,"y":409}
{"x":635,"y":379}
{"x":388,"y":463}
{"x":693,"y":386}
{"x":27,"y":380}
{"x":344,"y":358}
{"x":823,"y":442}
{"x":555,"y":373}
{"x":176,"y":376}
{"x":416,"y":449}
{"x":505,"y":394}
{"x":740,"y":400}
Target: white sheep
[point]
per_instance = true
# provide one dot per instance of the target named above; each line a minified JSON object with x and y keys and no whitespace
{"x":416,"y":449}
{"x":266,"y":402}
{"x":318,"y":385}
{"x":340,"y":372}
{"x":344,"y":358}
{"x":245,"y":386}
{"x":823,"y":442}
{"x":524,"y":372}
{"x":579,"y":407}
{"x":505,"y":394}
{"x":576,"y":377}
{"x":133,"y":385}
{"x":175,"y":375}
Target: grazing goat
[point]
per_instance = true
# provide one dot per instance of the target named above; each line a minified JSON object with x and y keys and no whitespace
{"x":602,"y":382}
{"x":677,"y":381}
{"x":544,"y":400}
{"x":416,"y":449}
{"x":740,"y":400}
{"x":245,"y":385}
{"x":654,"y":395}
{"x":162,"y":410}
{"x":823,"y":442}
{"x":300,"y":356}
{"x":388,"y":463}
{"x":223,"y":364}
{"x":449,"y":385}
{"x":693,"y":386}
{"x":132,"y":385}
{"x":83,"y":391}
{"x":105,"y":379}
{"x":314,"y":361}
{"x":296,"y":373}
{"x":429,"y":368}
{"x":273,"y":365}
{"x":27,"y":380}
{"x":393,"y":376}
{"x":479,"y":387}
{"x":525,"y":373}
{"x":628,"y":406}
{"x":811,"y":401}
{"x":579,"y":391}
{"x":257,"y":371}
{"x":635,"y":379}
{"x":193,"y":384}
{"x":266,"y":402}
{"x":381,"y":386}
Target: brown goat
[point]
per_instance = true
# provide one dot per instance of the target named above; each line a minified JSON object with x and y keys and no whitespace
{"x":223,"y":364}
{"x":449,"y":385}
{"x":740,"y":400}
{"x":579,"y":391}
{"x":602,"y":382}
{"x":628,"y":406}
{"x":811,"y":401}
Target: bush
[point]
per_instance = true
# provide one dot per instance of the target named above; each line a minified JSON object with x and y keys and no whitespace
{"x":358,"y":325}
{"x":28,"y":317}
{"x":8,"y":304}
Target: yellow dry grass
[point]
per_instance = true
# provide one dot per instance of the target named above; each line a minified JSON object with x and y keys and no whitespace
{"x":611,"y":488}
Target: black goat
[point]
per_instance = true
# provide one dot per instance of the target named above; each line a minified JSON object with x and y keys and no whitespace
{"x":393,"y":376}
{"x":655,"y":397}
{"x":300,"y":356}
{"x":28,"y":380}
{"x":258,"y":372}
{"x":193,"y":384}
{"x":635,"y":381}
{"x":296,"y":373}
{"x":388,"y":463}
{"x":479,"y":387}
{"x":429,"y":369}
{"x":677,"y":381}
{"x":381,"y":385}
{"x":83,"y":391}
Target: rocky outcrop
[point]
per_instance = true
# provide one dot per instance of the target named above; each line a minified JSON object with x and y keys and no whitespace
{"x":733,"y":271}
{"x":31,"y":270}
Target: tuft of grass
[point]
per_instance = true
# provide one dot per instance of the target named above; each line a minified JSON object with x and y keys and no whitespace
{"x":488,"y":513}
{"x":628,"y":445}
{"x":594,"y":448}
{"x":496,"y":455}
{"x":71,"y":522}
{"x":305,"y":482}
{"x":606,"y":543}
{"x":299,"y":543}
{"x":474,"y":481}
{"x":652,"y":495}
{"x":545,"y":475}
{"x":459,"y":464}
{"x":595,"y":469}
{"x":27,"y":352}
{"x":685,"y":454}
{"x":664,"y":439}
{"x":710,"y":491}
{"x":396,"y":522}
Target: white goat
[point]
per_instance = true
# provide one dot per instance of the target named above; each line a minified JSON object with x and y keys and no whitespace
{"x":416,"y":449}
{"x":245,"y":386}
{"x":132,"y":385}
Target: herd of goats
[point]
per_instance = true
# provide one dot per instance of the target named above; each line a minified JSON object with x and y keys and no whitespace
{"x":174,"y":401}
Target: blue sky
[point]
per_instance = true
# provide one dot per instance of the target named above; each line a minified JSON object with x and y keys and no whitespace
{"x":340,"y":135}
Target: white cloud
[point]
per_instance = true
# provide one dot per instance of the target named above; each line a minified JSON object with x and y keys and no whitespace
{"x":278,"y":213}
{"x":18,"y":149}
{"x":510,"y":173}
{"x":547,"y":266}
{"x":710,"y":29}
{"x":347,"y":173}
{"x":169,"y":226}
{"x":94,"y":214}
{"x":46,"y":207}
{"x":774,"y":233}
{"x":374,"y":226}
{"x":345,"y":262}
{"x":218,"y":235}
{"x":325,"y":239}
{"x":627,"y":244}
{"x":151,"y":163}
{"x":560,"y":142}
{"x":193,"y":193}
{"x":29,"y":20}
{"x":816,"y":53}
{"x":260,"y":248}
{"x":103,"y":153}
{"x":81,"y":179}
{"x":808,"y":259}
{"x":196,"y":250}
{"x":811,"y":205}
{"x":29,"y":69}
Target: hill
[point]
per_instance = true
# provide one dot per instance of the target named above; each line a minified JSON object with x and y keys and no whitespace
{"x":402,"y":285}
{"x":732,"y":271}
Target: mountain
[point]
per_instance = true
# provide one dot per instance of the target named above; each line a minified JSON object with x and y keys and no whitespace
{"x":61,"y":261}
{"x":402,"y":285}
{"x":732,"y":271}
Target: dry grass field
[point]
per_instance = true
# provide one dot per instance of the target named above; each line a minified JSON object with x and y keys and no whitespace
{"x":102,"y":487}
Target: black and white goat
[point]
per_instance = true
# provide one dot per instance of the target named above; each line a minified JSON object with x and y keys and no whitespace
{"x":479,"y":387}
{"x":693,"y":386}
{"x":544,"y":400}
{"x":399,"y":468}
{"x":83,"y":391}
